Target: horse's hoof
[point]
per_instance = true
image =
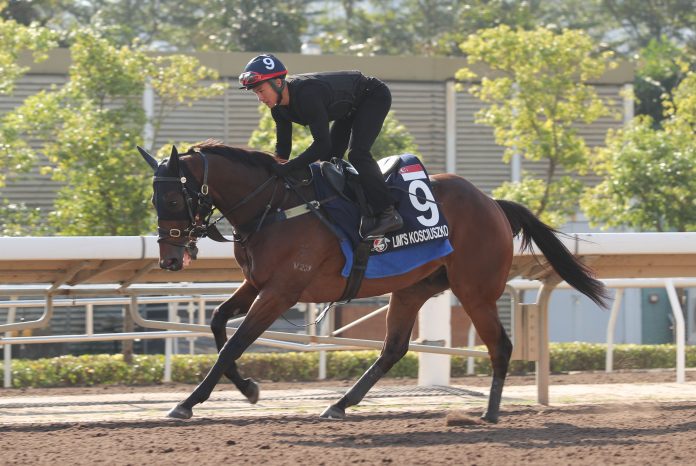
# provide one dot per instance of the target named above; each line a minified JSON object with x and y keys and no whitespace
{"x":333,"y":412}
{"x":180,"y":412}
{"x":492,"y":419}
{"x":252,"y":391}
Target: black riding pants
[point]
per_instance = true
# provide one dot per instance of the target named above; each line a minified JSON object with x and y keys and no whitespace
{"x":357,"y":134}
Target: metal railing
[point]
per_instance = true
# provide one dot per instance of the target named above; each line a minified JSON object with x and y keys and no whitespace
{"x":670,"y":285}
{"x":172,"y":329}
{"x":196,"y":294}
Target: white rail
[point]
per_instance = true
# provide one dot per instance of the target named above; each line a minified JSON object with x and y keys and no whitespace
{"x":170,"y":329}
{"x":297,"y":342}
{"x":670,"y":284}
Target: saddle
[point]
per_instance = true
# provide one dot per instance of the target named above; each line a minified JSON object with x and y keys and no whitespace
{"x":343,"y":179}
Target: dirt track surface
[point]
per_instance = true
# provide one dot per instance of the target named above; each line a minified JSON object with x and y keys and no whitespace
{"x":642,"y":433}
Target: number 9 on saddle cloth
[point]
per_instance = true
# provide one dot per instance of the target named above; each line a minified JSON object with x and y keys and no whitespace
{"x":424,"y":236}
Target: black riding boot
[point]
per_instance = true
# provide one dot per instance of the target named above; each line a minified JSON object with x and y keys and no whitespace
{"x":375,"y":227}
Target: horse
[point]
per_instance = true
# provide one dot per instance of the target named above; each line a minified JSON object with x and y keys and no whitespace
{"x":286,"y":261}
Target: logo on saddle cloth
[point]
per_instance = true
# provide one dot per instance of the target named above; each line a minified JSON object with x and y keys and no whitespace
{"x":380,"y":244}
{"x":425,"y":232}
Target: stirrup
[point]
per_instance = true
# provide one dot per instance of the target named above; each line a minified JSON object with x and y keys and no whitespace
{"x":383,"y":225}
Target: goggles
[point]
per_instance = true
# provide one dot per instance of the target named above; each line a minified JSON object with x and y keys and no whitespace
{"x":250,"y":79}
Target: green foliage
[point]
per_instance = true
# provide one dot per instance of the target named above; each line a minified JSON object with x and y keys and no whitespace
{"x":537,"y":97}
{"x":561,"y":201}
{"x":16,"y":38}
{"x":661,"y":66}
{"x":265,"y":25}
{"x":149,"y":369}
{"x":650,"y":174}
{"x":394,"y":138}
{"x":280,"y":366}
{"x":357,"y":27}
{"x":349,"y":364}
{"x":101,"y":369}
{"x":20,"y":220}
{"x":425,"y":28}
{"x":90,"y":126}
{"x":681,"y":109}
{"x":635,"y":22}
{"x":181,"y":25}
{"x":588,"y":356}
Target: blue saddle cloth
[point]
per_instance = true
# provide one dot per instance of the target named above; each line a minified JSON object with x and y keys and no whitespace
{"x":423,"y":237}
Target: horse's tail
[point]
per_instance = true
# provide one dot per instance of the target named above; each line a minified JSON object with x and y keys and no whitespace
{"x":576,"y":274}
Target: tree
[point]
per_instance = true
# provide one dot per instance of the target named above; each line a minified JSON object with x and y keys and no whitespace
{"x":15,"y":39}
{"x":89,"y":129}
{"x":661,"y":67}
{"x":21,"y":220}
{"x":537,"y":96}
{"x":650,"y":174}
{"x":394,"y":138}
{"x":656,"y":36}
{"x":185,"y":25}
{"x":426,"y":27}
{"x":642,"y":21}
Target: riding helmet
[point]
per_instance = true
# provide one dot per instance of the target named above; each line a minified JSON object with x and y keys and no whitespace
{"x":261,"y":68}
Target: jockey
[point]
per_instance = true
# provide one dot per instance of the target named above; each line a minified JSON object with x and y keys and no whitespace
{"x":356,"y":104}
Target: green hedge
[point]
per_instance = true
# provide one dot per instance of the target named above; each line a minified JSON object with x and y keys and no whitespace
{"x":149,"y":369}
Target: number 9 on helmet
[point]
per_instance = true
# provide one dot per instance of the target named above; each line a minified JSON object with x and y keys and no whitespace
{"x":261,"y":68}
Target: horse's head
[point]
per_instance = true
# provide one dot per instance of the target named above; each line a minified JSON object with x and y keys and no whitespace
{"x":176,"y":211}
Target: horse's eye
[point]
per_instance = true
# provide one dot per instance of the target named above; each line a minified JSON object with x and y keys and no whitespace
{"x":173,"y":201}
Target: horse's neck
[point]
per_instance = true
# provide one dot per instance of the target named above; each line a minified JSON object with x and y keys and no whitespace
{"x":234,"y":183}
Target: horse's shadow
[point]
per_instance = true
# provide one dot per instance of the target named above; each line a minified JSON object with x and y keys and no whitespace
{"x":550,"y":435}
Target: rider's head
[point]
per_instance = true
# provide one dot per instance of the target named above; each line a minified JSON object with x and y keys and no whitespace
{"x":261,"y":69}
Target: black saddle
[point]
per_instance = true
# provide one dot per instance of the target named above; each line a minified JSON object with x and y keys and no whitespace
{"x":343,"y":178}
{"x":340,"y":175}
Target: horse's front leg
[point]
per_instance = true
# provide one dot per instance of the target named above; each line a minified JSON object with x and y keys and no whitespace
{"x":263,"y":312}
{"x":238,"y":304}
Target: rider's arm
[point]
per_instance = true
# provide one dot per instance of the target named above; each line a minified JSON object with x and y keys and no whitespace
{"x":283,"y":134}
{"x":313,"y":110}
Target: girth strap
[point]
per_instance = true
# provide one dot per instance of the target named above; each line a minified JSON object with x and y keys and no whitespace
{"x":361,"y":254}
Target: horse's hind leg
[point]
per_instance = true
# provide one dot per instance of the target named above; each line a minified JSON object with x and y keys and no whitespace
{"x":484,"y":316}
{"x":238,"y":304}
{"x":403,"y":309}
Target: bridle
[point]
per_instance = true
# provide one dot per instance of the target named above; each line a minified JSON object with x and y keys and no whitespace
{"x":200,"y":208}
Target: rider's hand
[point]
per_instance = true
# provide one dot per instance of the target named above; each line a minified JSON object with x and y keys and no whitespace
{"x":283,"y":169}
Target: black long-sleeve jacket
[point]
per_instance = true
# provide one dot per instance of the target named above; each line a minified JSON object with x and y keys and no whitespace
{"x":315,"y":100}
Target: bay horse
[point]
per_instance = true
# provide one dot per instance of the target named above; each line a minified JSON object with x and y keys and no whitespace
{"x":299,"y":260}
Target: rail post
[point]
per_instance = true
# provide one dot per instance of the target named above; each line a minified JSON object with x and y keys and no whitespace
{"x":434,"y":329}
{"x":7,"y":354}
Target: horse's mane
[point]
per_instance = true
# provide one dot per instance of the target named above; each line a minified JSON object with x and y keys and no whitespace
{"x":245,"y":155}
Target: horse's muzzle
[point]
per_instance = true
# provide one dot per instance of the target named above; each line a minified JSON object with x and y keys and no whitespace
{"x":171,"y":263}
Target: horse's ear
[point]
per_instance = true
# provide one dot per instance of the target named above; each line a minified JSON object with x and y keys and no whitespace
{"x":148,"y":158}
{"x":173,"y":162}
